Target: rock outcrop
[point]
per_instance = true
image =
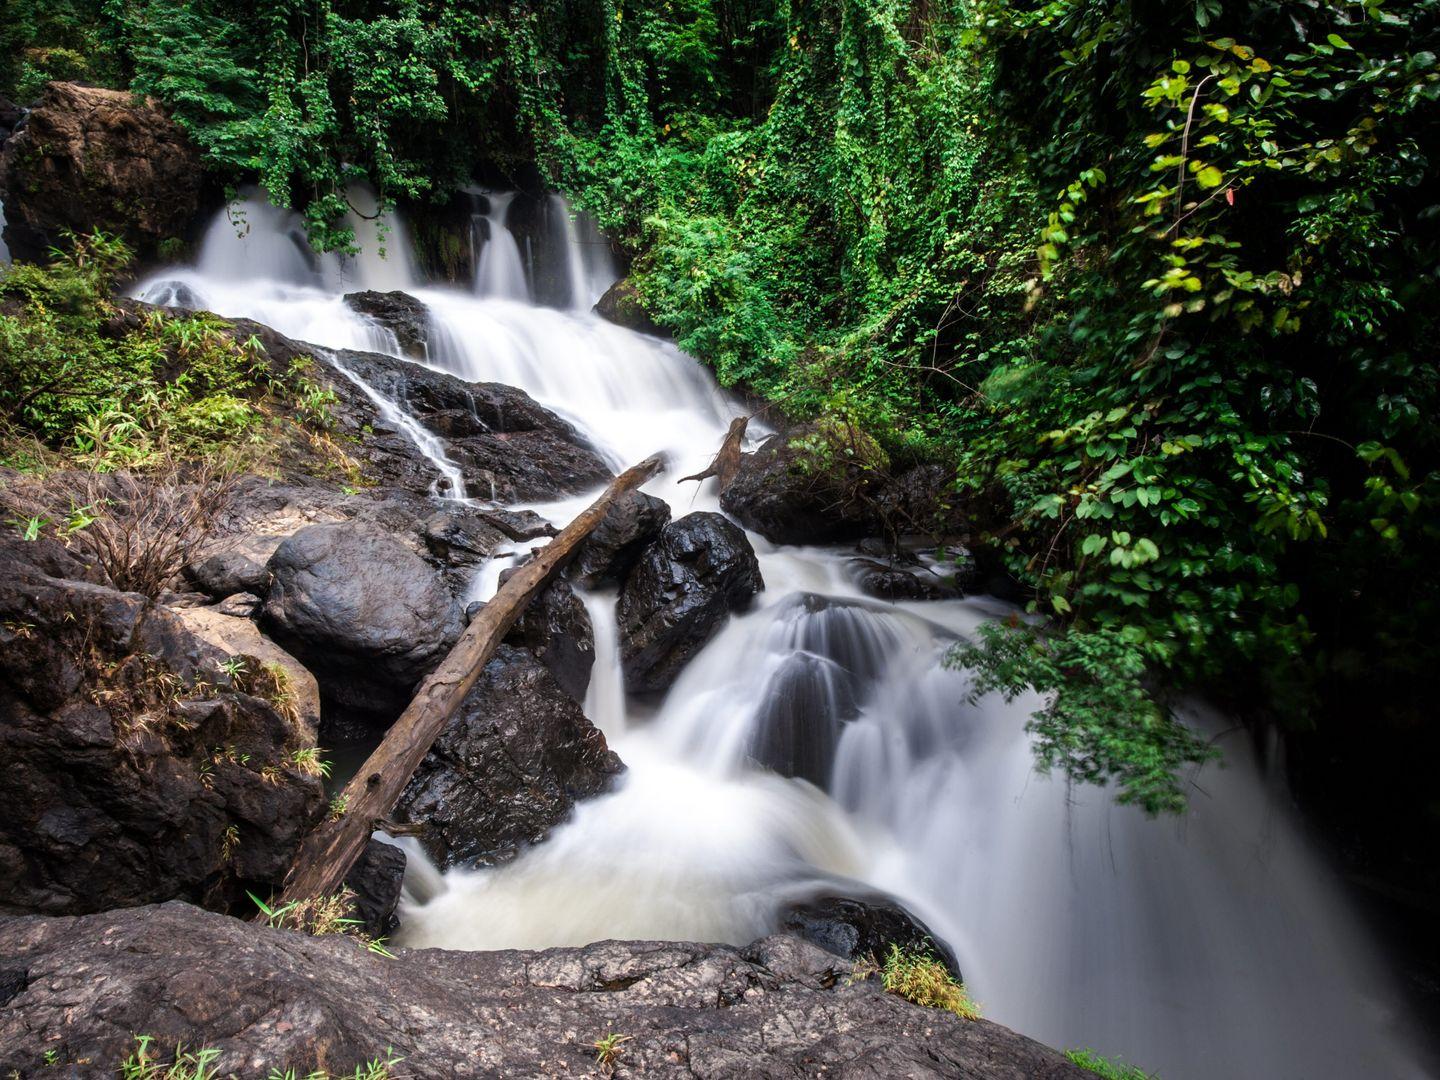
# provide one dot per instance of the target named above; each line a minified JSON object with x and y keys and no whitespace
{"x":622,"y":306}
{"x":267,"y":1000}
{"x":509,"y":447}
{"x":781,"y":493}
{"x":137,"y":767}
{"x":88,"y":158}
{"x":699,"y":570}
{"x":363,"y":612}
{"x":400,"y":313}
{"x":887,"y":581}
{"x":508,"y":768}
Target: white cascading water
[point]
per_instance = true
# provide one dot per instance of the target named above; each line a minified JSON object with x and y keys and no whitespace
{"x":500,"y":271}
{"x":4,"y":248}
{"x":1212,"y":945}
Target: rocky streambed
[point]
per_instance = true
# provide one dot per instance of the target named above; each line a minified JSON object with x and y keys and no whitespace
{"x":161,"y":761}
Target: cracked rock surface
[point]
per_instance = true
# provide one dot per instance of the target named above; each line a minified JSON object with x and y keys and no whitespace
{"x":275,"y":999}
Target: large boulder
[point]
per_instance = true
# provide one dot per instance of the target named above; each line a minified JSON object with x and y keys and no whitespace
{"x":138,"y":765}
{"x":687,"y":582}
{"x":508,"y":767}
{"x":791,"y":494}
{"x":87,"y":159}
{"x":400,"y":313}
{"x":361,"y":610}
{"x":631,"y":524}
{"x":622,"y":306}
{"x":269,"y":1001}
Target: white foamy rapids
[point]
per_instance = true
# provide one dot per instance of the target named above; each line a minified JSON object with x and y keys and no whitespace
{"x":1216,"y":944}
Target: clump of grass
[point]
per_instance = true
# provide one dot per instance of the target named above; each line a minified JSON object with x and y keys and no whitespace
{"x":321,"y":915}
{"x":338,"y":805}
{"x":274,"y":683}
{"x":607,"y":1049}
{"x":145,"y":1064}
{"x":229,"y":842}
{"x":1109,"y":1068}
{"x":920,"y":978}
{"x":308,"y":761}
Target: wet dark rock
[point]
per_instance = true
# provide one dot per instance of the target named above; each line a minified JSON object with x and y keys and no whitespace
{"x":535,"y":218}
{"x":865,"y":929}
{"x":376,"y":880}
{"x":680,"y":593}
{"x":886,"y":582}
{"x":133,"y":762}
{"x":858,"y":636}
{"x":281,"y":1000}
{"x":366,"y":614}
{"x":460,"y":536}
{"x":632,"y":523}
{"x":780,"y":494}
{"x":88,"y":158}
{"x":442,"y":235}
{"x":508,"y":768}
{"x":622,"y":306}
{"x":400,"y":313}
{"x":556,"y":628}
{"x":804,"y":706}
{"x":509,"y":447}
{"x":518,"y":525}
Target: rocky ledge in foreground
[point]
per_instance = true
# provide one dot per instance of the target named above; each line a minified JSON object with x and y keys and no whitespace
{"x":83,"y":988}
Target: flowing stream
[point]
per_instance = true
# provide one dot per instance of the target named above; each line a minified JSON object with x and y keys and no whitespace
{"x":1213,"y":945}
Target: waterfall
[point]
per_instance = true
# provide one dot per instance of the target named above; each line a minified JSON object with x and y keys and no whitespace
{"x":4,"y":248}
{"x":500,"y":272}
{"x":818,"y":739}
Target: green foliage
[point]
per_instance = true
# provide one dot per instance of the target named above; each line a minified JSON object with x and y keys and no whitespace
{"x":109,"y":389}
{"x":1109,"y":1068}
{"x":1156,"y":279}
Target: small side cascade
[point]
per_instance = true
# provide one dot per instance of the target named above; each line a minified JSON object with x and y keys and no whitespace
{"x":4,"y":248}
{"x":500,"y":271}
{"x":429,"y":444}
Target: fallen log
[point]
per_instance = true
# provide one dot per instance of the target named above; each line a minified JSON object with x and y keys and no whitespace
{"x":331,"y":848}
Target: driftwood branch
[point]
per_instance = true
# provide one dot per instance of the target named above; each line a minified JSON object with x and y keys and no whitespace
{"x":727,"y":461}
{"x":331,"y":848}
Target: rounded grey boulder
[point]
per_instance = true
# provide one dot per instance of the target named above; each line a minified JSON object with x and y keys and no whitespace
{"x":363,"y":612}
